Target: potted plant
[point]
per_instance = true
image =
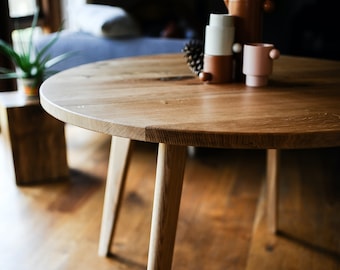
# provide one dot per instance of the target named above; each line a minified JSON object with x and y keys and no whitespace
{"x":31,"y":66}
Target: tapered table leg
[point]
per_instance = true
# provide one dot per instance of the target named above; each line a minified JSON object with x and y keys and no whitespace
{"x":168,"y":190}
{"x":118,"y":164}
{"x":273,"y":159}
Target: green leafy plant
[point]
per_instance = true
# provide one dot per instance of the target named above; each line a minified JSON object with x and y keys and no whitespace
{"x":29,"y":62}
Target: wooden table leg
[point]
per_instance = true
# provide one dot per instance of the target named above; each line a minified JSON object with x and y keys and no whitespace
{"x":168,"y":190}
{"x":118,"y":164}
{"x":273,"y":159}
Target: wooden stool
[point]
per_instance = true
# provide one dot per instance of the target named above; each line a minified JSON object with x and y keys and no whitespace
{"x":35,"y":141}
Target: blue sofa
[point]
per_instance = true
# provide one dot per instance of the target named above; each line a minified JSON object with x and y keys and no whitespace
{"x":89,"y":48}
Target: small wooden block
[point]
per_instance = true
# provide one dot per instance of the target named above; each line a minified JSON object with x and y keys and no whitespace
{"x":35,"y":141}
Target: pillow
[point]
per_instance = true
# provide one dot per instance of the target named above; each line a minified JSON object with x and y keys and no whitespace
{"x":107,"y":21}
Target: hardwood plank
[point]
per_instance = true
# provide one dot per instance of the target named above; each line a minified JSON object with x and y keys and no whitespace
{"x":309,"y":221}
{"x":223,"y":205}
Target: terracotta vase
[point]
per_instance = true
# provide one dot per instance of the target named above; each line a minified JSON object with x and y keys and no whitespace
{"x":31,"y":86}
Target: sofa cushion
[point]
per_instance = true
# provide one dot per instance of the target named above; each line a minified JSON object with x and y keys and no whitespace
{"x":108,"y":21}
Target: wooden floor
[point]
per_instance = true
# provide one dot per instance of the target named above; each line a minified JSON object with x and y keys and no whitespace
{"x":222,"y":223}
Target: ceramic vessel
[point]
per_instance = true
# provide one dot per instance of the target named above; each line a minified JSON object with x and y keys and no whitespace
{"x":218,"y":49}
{"x":30,"y":86}
{"x":258,"y":63}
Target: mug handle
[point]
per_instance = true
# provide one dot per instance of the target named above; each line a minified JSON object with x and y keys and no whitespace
{"x":274,"y":54}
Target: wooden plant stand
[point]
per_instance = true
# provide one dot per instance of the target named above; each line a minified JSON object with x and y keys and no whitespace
{"x":34,"y":140}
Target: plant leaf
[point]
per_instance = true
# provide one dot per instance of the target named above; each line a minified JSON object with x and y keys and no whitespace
{"x":43,"y":51}
{"x":34,"y":24}
{"x":57,"y":59}
{"x":9,"y":52}
{"x":11,"y":75}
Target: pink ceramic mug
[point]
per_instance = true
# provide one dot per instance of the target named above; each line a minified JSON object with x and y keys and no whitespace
{"x":258,"y":62}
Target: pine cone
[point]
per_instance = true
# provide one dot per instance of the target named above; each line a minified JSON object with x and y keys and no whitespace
{"x":194,"y":54}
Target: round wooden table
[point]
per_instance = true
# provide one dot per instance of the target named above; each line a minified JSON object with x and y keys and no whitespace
{"x":157,"y":99}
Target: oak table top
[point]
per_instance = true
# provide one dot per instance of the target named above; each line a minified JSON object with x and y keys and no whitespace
{"x":157,"y":99}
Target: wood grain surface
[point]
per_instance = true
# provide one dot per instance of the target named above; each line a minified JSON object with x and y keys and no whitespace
{"x":35,"y":141}
{"x":157,"y":99}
